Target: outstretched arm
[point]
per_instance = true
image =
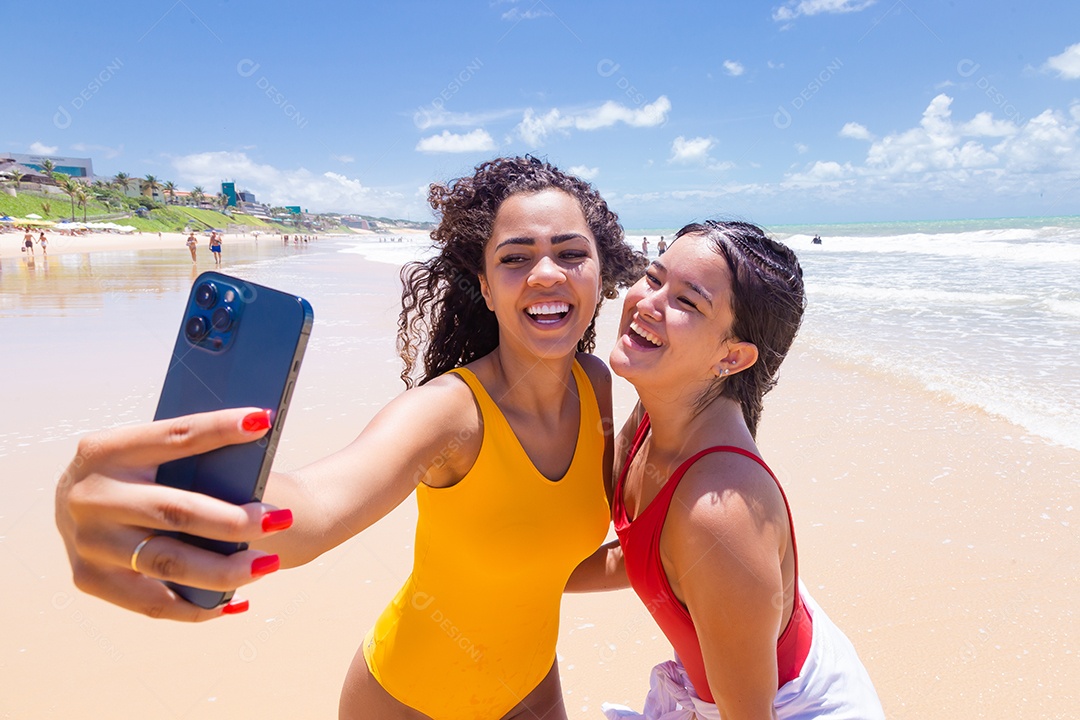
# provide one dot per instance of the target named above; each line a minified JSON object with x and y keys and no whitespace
{"x":107,"y":501}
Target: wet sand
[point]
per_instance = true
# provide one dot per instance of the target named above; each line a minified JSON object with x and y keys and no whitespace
{"x":938,"y":538}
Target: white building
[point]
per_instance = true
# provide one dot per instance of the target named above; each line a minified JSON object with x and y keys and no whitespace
{"x":81,"y":168}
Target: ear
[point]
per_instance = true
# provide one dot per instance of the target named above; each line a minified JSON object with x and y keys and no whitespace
{"x":740,"y":356}
{"x":485,"y":291}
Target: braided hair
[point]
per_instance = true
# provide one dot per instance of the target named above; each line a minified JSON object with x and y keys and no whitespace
{"x":768,"y":300}
{"x":444,"y":321}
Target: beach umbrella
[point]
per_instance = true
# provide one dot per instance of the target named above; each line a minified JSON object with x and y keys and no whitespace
{"x":32,"y":216}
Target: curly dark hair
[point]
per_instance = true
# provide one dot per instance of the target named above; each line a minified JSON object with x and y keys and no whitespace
{"x":443,"y":314}
{"x":768,"y":299}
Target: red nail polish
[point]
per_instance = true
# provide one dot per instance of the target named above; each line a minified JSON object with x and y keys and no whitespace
{"x":235,"y":608}
{"x":256,"y":421}
{"x":276,"y":520}
{"x":265,"y":565}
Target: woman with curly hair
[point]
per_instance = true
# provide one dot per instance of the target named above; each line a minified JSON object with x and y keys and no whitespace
{"x":500,"y":434}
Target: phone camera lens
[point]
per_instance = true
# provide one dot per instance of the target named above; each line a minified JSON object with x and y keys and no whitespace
{"x":196,"y":328}
{"x":221,"y":319}
{"x":205,"y":295}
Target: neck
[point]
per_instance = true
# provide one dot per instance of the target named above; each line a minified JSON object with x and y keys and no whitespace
{"x":531,"y":384}
{"x":678,"y":424}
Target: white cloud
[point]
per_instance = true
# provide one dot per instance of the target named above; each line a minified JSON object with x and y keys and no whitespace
{"x":434,"y":115}
{"x":801,"y":149}
{"x":103,"y":150}
{"x":325,"y":192}
{"x":855,"y":131}
{"x":946,"y":158}
{"x":774,"y":66}
{"x":796,"y":8}
{"x":515,"y":14}
{"x":734,"y":68}
{"x":692,"y":150}
{"x":343,"y":158}
{"x":447,"y":142}
{"x":823,"y":172}
{"x":1067,"y":64}
{"x":984,"y":125}
{"x":584,"y":172}
{"x":534,"y":128}
{"x":40,"y":148}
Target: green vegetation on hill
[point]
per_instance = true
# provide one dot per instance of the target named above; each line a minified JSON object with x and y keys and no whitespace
{"x":167,"y":218}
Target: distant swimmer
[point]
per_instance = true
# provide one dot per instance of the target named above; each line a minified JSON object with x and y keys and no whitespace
{"x":645,"y":245}
{"x":661,"y":247}
{"x":816,"y":240}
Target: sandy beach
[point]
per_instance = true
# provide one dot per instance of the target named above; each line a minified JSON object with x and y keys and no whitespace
{"x":938,"y":537}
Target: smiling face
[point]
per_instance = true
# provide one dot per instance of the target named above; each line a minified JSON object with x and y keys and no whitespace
{"x":541,"y":273}
{"x":675,"y":331}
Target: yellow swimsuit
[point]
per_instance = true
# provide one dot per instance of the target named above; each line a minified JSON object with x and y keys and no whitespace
{"x":473,"y":630}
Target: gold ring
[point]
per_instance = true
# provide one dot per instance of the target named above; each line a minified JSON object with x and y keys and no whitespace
{"x":138,"y":549}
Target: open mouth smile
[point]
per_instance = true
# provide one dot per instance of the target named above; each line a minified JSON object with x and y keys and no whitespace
{"x":548,"y":313}
{"x":643,"y":338}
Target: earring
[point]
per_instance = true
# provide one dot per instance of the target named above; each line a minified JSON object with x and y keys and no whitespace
{"x":725,"y":372}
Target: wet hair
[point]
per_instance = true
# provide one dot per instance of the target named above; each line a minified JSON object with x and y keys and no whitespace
{"x":444,"y":321}
{"x":768,"y":300}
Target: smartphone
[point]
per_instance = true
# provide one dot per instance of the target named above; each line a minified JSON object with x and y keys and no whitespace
{"x":239,"y":345}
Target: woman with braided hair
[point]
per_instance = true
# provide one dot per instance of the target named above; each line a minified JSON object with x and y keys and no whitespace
{"x":705,"y":532}
{"x":503,"y":441}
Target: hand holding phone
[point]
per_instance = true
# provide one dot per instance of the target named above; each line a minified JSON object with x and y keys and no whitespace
{"x":239,"y":345}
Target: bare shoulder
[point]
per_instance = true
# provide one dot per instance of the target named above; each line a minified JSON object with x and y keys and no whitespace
{"x":438,"y":419}
{"x":444,"y":407}
{"x":726,"y":493}
{"x":597,"y":370}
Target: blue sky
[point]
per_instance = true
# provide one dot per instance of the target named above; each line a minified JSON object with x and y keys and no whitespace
{"x":796,"y":111}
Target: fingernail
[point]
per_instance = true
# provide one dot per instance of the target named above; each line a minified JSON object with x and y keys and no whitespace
{"x":276,"y":520}
{"x":235,"y":608}
{"x":265,"y":565}
{"x":256,"y":421}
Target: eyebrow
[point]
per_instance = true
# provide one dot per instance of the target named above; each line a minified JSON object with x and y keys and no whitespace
{"x":692,"y":285}
{"x":555,"y":239}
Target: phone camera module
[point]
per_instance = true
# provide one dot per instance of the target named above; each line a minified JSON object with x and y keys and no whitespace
{"x":222,"y":319}
{"x":205,"y":295}
{"x":196,"y":328}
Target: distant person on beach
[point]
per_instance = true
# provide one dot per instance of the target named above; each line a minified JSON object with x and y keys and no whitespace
{"x":215,"y":247}
{"x":705,"y":533}
{"x":28,"y":242}
{"x":505,"y":440}
{"x":816,"y":240}
{"x":192,"y":244}
{"x":645,"y":246}
{"x":661,"y":247}
{"x":44,"y":243}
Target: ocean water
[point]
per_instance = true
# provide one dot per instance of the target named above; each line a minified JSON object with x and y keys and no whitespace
{"x":981,"y":313}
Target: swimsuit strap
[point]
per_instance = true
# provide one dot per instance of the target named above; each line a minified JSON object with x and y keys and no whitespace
{"x":663,"y":498}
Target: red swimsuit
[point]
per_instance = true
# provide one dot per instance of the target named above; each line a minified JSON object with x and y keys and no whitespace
{"x":640,"y":540}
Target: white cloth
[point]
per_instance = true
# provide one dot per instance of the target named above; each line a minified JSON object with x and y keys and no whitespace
{"x":671,"y":697}
{"x":833,"y":684}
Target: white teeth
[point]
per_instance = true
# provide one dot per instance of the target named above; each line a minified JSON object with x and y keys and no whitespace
{"x":645,"y":334}
{"x":548,"y":308}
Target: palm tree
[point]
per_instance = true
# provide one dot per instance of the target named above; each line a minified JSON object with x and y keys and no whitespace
{"x":46,"y":207}
{"x":17,"y":177}
{"x":152,"y":184}
{"x":80,"y":195}
{"x":47,"y":168}
{"x":196,"y":195}
{"x":223,"y":200}
{"x":71,"y":187}
{"x":170,"y":191}
{"x":121,"y":181}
